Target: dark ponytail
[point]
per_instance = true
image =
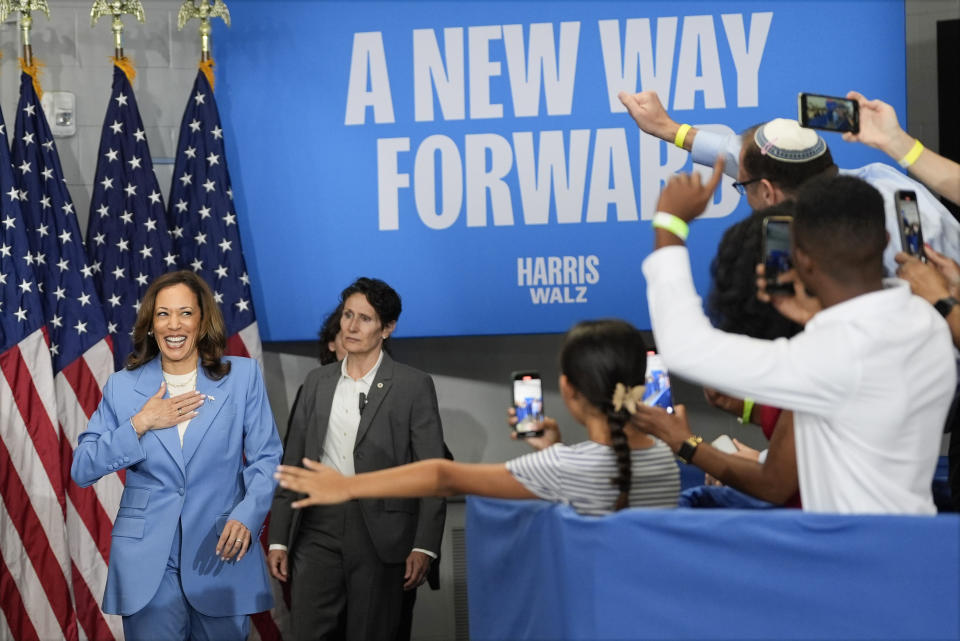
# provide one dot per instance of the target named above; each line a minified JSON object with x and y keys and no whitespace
{"x":597,"y":355}
{"x":618,"y":440}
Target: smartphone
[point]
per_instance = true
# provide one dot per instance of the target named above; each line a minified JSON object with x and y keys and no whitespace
{"x":725,"y":444}
{"x":776,"y":252}
{"x":528,"y":403}
{"x":828,"y":112}
{"x":908,"y":217}
{"x":656,"y":390}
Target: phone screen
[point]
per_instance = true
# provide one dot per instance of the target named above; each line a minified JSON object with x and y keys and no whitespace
{"x":656,"y":389}
{"x":909,"y":217}
{"x":829,"y":113}
{"x":528,"y":403}
{"x":776,"y":252}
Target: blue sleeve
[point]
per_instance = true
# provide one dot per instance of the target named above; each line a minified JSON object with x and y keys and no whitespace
{"x":109,"y":443}
{"x":262,"y":450}
{"x":707,"y":145}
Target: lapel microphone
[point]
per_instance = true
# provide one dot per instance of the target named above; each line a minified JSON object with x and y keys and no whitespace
{"x":363,"y":402}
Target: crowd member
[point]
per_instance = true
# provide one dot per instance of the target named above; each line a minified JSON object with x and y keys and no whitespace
{"x":332,"y":350}
{"x":732,"y":306}
{"x":880,"y":129}
{"x":194,"y":431}
{"x":331,"y":341}
{"x":602,"y":365}
{"x":362,"y":414}
{"x":869,"y":379}
{"x":771,"y":160}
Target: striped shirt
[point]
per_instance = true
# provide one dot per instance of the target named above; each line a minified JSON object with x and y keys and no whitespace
{"x":579,"y":475}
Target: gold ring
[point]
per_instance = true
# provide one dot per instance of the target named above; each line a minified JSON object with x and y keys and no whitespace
{"x":239,"y":540}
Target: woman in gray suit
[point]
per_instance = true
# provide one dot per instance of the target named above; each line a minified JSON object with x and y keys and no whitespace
{"x":363,"y":414}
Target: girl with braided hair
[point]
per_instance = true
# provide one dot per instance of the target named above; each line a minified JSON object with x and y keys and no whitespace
{"x":602,"y":365}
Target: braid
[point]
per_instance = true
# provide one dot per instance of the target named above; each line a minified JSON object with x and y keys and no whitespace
{"x":618,"y":440}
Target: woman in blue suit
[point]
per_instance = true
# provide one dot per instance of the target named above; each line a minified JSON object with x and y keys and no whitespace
{"x":194,"y":431}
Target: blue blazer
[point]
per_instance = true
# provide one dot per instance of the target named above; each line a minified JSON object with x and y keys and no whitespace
{"x":223,"y":471}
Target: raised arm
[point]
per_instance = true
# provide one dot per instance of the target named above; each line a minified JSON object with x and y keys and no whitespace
{"x":434,"y":477}
{"x":880,"y":129}
{"x":704,"y":146}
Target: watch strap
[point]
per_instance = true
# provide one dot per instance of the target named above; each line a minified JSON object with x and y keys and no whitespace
{"x":689,"y":446}
{"x":945,"y":305}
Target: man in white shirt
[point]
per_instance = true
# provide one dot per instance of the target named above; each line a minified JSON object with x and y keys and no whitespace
{"x":767,"y":178}
{"x":349,"y":564}
{"x":870,"y":378}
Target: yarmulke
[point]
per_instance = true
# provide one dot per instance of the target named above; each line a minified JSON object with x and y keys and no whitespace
{"x":787,"y":141}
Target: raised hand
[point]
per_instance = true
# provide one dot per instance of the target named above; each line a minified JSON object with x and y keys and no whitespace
{"x":647,"y":111}
{"x":686,"y":197}
{"x":672,"y":429}
{"x":800,"y":307}
{"x":879,"y":127}
{"x":926,"y":280}
{"x":551,"y":431}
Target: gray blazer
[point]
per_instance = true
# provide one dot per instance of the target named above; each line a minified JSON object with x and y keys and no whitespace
{"x":400,"y":424}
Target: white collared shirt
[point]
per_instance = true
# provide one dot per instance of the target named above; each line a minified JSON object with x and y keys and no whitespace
{"x":344,"y":420}
{"x":870,"y":381}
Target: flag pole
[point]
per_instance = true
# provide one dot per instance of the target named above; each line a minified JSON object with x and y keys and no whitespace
{"x":116,"y":8}
{"x":25,"y":7}
{"x":203,"y":10}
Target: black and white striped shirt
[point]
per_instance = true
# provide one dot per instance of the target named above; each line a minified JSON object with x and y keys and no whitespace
{"x":580,"y":476}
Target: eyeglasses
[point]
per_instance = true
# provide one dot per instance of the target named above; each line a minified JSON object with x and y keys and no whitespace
{"x":742,"y":187}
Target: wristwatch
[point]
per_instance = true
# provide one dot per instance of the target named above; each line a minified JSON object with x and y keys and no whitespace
{"x":685,"y":453}
{"x":945,"y":305}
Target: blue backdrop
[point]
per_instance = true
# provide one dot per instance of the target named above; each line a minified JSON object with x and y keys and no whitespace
{"x":474,"y":155}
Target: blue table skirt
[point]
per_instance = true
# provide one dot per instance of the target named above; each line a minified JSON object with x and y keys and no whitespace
{"x":540,"y":571}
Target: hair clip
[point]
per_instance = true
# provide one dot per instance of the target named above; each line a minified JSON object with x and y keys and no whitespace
{"x":627,"y":397}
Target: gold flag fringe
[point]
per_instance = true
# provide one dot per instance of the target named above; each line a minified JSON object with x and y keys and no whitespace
{"x":126,"y":66}
{"x":34,"y":72}
{"x":206,"y":66}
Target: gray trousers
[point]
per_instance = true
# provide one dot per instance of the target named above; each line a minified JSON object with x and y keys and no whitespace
{"x":339,"y":586}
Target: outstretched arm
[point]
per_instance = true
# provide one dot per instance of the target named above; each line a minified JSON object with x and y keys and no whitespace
{"x":774,"y":481}
{"x":880,"y":129}
{"x":434,"y":477}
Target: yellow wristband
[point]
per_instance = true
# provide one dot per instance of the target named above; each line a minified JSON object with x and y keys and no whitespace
{"x":747,"y":410}
{"x":681,"y":135}
{"x":676,"y":226}
{"x":912,"y":155}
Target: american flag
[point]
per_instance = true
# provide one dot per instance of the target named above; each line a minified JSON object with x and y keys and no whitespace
{"x":80,"y":351}
{"x":127,"y":239}
{"x":204,"y":221}
{"x":34,"y":556}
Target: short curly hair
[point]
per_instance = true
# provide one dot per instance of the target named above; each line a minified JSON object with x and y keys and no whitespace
{"x":732,"y":304}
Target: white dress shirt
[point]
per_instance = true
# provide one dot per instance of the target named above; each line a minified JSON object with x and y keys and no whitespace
{"x":940,"y":229}
{"x":870,"y":381}
{"x":344,"y":421}
{"x":342,"y":427}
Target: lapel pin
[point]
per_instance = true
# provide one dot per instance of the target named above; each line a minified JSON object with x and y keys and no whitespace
{"x":210,"y":398}
{"x":379,"y":385}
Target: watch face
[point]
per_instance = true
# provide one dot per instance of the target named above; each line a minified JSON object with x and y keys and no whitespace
{"x":945,"y":305}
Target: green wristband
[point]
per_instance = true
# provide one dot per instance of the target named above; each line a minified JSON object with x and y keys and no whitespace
{"x":676,"y":226}
{"x":747,"y":410}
